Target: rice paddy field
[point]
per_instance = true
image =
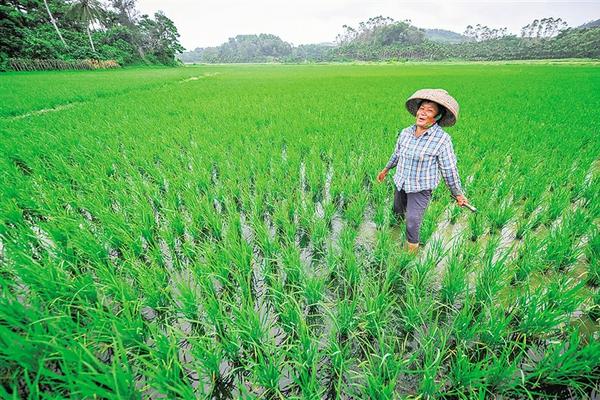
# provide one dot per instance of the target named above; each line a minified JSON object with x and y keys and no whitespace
{"x":218,"y":232}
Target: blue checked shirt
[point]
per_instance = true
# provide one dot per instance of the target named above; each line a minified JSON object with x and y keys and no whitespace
{"x":418,"y":160}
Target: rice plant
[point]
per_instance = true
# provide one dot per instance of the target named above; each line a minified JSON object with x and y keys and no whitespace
{"x":224,"y":237}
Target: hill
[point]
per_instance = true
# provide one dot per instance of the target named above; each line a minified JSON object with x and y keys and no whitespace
{"x":591,"y":24}
{"x":444,"y":36}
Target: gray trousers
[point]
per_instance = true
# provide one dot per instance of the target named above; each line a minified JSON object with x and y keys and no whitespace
{"x":411,"y":207}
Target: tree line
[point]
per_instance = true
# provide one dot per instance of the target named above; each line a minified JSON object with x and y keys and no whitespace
{"x":383,"y":38}
{"x":85,"y":29}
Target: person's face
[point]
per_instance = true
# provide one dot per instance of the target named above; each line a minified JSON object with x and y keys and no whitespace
{"x":426,"y":114}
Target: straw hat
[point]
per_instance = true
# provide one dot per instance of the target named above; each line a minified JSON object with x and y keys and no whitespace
{"x":439,"y":96}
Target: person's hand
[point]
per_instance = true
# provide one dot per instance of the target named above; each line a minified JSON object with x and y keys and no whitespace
{"x":461,"y":200}
{"x":382,"y":174}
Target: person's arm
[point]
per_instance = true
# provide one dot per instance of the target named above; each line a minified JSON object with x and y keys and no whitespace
{"x":394,"y":157}
{"x":393,"y":161}
{"x":448,"y":168}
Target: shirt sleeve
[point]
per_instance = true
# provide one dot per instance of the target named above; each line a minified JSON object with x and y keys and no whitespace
{"x":395,"y":155}
{"x":448,"y":169}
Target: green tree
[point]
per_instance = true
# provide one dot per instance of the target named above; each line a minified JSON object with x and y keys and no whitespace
{"x":160,"y":38}
{"x":88,"y":12}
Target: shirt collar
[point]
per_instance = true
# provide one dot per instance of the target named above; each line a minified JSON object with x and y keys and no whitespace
{"x":433,"y":128}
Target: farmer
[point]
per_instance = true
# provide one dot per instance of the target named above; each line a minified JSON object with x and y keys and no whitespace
{"x":423,"y":149}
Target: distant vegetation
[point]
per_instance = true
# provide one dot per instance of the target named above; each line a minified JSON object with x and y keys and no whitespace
{"x":85,"y":29}
{"x":383,"y":38}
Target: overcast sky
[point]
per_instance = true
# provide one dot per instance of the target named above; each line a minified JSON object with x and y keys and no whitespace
{"x":203,"y":23}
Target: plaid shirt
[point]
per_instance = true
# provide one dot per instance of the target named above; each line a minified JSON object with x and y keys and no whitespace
{"x":419,"y":159}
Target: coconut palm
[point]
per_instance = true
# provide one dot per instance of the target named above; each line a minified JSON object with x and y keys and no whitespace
{"x":88,"y":12}
{"x":53,"y":21}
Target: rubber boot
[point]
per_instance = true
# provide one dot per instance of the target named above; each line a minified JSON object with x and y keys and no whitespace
{"x":412,"y":247}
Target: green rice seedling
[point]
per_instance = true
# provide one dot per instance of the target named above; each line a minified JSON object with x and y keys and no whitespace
{"x":382,"y":216}
{"x":421,"y":271}
{"x":329,"y":211}
{"x":454,"y":282}
{"x":464,"y":322}
{"x":430,"y":220}
{"x":290,"y":315}
{"x":154,"y":283}
{"x":314,"y":290}
{"x":454,"y":213}
{"x":346,"y":317}
{"x":529,"y":259}
{"x":492,"y":323}
{"x":348,"y":265}
{"x":567,"y":365}
{"x":466,"y":374}
{"x":252,"y":329}
{"x":519,"y":187}
{"x":208,"y":220}
{"x":120,"y":377}
{"x":213,"y":309}
{"x":216,"y":263}
{"x":382,"y":369}
{"x":339,"y":355}
{"x":382,"y":252}
{"x":589,"y":193}
{"x":295,"y":274}
{"x":380,"y":202}
{"x":539,"y":311}
{"x":111,"y":246}
{"x":594,"y":311}
{"x":580,"y":222}
{"x":505,"y":179}
{"x":476,"y":226}
{"x":347,"y":238}
{"x":332,"y":265}
{"x":434,"y":252}
{"x":186,"y":296}
{"x":166,"y":374}
{"x":237,"y":253}
{"x":486,"y":373}
{"x":416,"y":308}
{"x":284,"y":220}
{"x":499,"y":215}
{"x":533,"y":199}
{"x":269,"y":248}
{"x":209,"y":357}
{"x":306,"y":215}
{"x":309,"y":382}
{"x":318,"y":235}
{"x":524,"y":226}
{"x":593,"y":275}
{"x":355,"y":209}
{"x":268,"y":372}
{"x":493,"y":274}
{"x":557,"y":204}
{"x":432,"y":345}
{"x":592,"y":253}
{"x":561,"y":249}
{"x":378,"y":306}
{"x":305,"y":359}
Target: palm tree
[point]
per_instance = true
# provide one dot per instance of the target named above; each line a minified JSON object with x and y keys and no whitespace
{"x":53,"y":21}
{"x":88,"y":12}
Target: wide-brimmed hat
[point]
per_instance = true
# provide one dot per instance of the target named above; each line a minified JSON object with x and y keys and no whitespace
{"x":439,"y":96}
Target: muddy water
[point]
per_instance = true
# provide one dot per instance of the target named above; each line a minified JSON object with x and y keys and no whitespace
{"x":446,"y":234}
{"x":588,"y":328}
{"x":44,"y":239}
